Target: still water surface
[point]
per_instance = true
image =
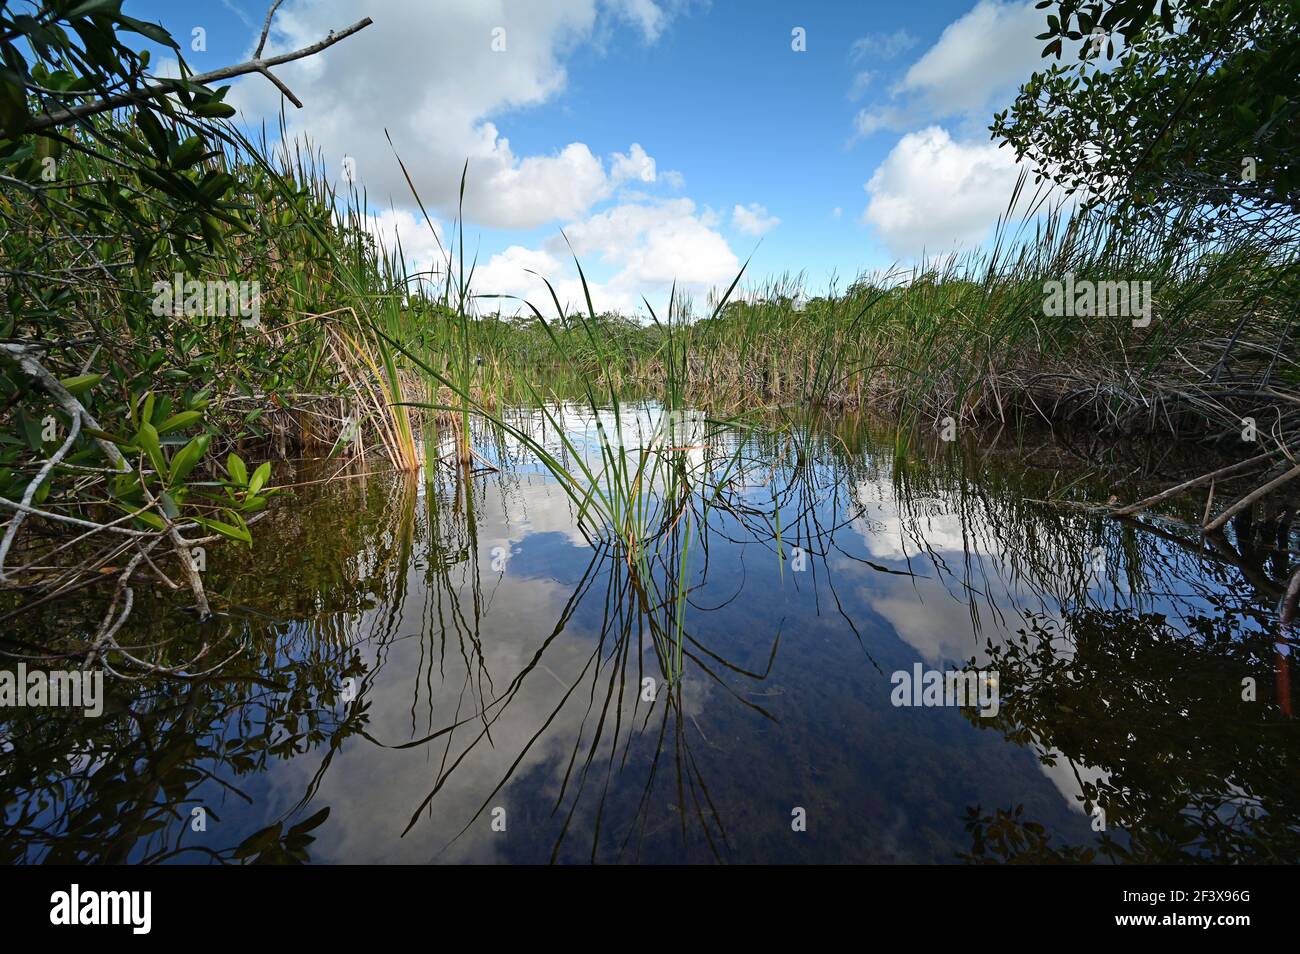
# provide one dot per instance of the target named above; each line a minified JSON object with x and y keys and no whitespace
{"x":429,"y":660}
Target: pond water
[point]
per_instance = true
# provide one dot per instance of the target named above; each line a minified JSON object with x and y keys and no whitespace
{"x":445,"y":668}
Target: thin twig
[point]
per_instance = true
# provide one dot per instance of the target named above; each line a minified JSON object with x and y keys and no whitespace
{"x":1188,"y":485}
{"x":1251,"y":497}
{"x":158,"y":90}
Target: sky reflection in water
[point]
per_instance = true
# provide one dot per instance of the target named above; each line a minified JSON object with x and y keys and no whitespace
{"x":498,"y":660}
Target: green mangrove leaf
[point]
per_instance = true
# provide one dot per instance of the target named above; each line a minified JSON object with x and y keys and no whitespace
{"x":179,"y":420}
{"x":186,"y":459}
{"x":81,"y":383}
{"x":260,"y":476}
{"x":147,"y":439}
{"x":238,"y":534}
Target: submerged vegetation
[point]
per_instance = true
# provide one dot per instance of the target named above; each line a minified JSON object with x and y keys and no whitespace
{"x":154,"y":407}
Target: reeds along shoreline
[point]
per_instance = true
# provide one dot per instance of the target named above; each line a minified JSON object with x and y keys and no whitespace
{"x":968,"y":338}
{"x":355,"y":354}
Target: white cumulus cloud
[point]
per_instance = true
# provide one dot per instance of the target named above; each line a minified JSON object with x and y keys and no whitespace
{"x":983,"y":55}
{"x":978,"y":61}
{"x":643,"y":247}
{"x":430,"y":74}
{"x":932,"y":192}
{"x":635,"y":165}
{"x":753,"y":219}
{"x":935,"y":191}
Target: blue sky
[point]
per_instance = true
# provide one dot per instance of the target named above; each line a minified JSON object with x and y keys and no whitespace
{"x":670,"y":139}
